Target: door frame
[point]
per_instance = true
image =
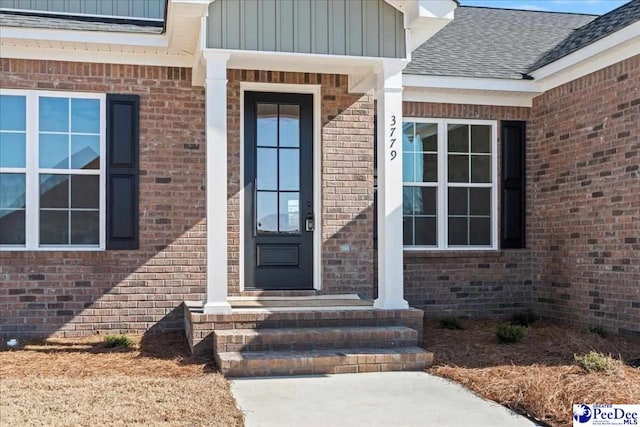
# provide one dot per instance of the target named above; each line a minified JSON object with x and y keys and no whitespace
{"x":315,"y":91}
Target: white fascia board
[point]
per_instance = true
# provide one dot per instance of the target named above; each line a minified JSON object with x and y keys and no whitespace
{"x":471,"y":97}
{"x":612,"y":49}
{"x":471,"y":83}
{"x":423,"y":19}
{"x":79,"y":36}
{"x":99,"y":57}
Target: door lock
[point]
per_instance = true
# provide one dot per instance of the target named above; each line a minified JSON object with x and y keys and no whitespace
{"x":309,"y":223}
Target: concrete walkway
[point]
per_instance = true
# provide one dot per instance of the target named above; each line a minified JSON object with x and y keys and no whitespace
{"x":403,"y":399}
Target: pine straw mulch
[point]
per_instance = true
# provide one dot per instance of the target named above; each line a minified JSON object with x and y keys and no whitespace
{"x":80,"y":382}
{"x":537,"y":377}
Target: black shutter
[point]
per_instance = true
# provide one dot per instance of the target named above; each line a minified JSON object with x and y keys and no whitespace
{"x":122,"y":171}
{"x":513,"y":185}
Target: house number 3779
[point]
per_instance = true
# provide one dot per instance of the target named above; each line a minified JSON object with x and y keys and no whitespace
{"x":392,"y":131}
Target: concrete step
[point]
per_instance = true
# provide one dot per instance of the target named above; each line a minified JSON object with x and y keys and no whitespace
{"x":322,"y":361}
{"x":230,"y":340}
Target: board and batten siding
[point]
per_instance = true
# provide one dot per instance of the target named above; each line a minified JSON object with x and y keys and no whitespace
{"x":335,"y":27}
{"x":136,"y":9}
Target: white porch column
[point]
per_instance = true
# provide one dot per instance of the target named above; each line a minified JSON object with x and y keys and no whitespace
{"x":390,"y":259}
{"x":216,"y":152}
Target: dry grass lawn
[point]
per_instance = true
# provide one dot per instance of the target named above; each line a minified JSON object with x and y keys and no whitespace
{"x":538,"y":376}
{"x":80,"y":382}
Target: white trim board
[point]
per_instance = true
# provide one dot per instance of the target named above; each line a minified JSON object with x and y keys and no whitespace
{"x":316,"y":91}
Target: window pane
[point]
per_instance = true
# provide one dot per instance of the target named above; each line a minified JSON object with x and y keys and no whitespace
{"x":407,"y":231}
{"x":458,"y":138}
{"x":54,"y":191}
{"x":458,"y":201}
{"x":426,"y":234}
{"x":267,"y":212}
{"x":480,"y":200}
{"x":289,"y":212}
{"x":267,"y":169}
{"x":12,"y":227}
{"x":267,"y":125}
{"x":408,"y":169}
{"x":289,"y":125}
{"x":85,"y":115}
{"x":480,"y":139}
{"x":480,"y":231}
{"x":480,"y":168}
{"x":13,"y":112}
{"x":425,"y":202}
{"x":12,"y":190}
{"x":458,"y":231}
{"x":427,"y":137}
{"x":408,"y":140}
{"x":85,"y":152}
{"x":407,"y":201}
{"x":428,"y":172}
{"x":85,"y":228}
{"x":54,"y":114}
{"x":54,"y":227}
{"x":85,"y":191}
{"x":290,"y":169}
{"x":54,"y":151}
{"x":12,"y":150}
{"x":458,"y":168}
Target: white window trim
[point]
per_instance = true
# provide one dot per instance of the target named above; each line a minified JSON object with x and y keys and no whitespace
{"x":442,"y":185}
{"x":32,"y":211}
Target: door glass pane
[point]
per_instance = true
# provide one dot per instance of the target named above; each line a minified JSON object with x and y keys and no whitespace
{"x":12,"y":226}
{"x":267,"y":125}
{"x":85,"y":152}
{"x":480,"y":139}
{"x":54,"y":227}
{"x":289,"y":125}
{"x":458,"y":138}
{"x":267,"y":212}
{"x":289,"y":169}
{"x":427,"y":136}
{"x":12,"y":191}
{"x":13,"y":112}
{"x":267,"y":168}
{"x":85,"y":115}
{"x":290,"y":212}
{"x":85,"y":191}
{"x":85,"y":228}
{"x":54,"y":114}
{"x":54,"y":191}
{"x":12,"y":150}
{"x":458,"y":168}
{"x":54,"y":151}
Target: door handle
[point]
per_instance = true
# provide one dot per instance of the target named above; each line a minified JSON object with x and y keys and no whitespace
{"x":309,"y":223}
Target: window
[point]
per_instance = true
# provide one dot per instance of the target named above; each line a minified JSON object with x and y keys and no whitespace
{"x":51,"y":170}
{"x":449,"y":190}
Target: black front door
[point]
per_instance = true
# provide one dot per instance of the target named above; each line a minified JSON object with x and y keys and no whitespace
{"x":278,"y":183}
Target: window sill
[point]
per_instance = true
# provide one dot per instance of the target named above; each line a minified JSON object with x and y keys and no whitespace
{"x":453,"y":253}
{"x":53,"y":249}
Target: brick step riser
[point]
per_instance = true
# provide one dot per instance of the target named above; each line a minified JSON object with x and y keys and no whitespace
{"x":321,"y":323}
{"x":313,"y":344}
{"x":326,"y":365}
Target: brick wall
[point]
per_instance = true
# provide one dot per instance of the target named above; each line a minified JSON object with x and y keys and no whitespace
{"x":346,"y":177}
{"x":468,"y":283}
{"x":584,"y":190}
{"x":76,"y":293}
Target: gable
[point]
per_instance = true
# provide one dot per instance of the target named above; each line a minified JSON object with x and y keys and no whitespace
{"x":371,"y":28}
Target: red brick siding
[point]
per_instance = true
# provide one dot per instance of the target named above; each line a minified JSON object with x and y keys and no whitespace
{"x":468,"y":283}
{"x":76,"y":293}
{"x":346,"y":177}
{"x":584,"y":190}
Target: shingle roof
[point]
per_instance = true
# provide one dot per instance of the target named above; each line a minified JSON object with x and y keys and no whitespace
{"x":493,"y":43}
{"x":70,"y":23}
{"x":592,"y":32}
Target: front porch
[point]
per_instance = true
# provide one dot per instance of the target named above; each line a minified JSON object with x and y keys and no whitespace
{"x":285,"y":335}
